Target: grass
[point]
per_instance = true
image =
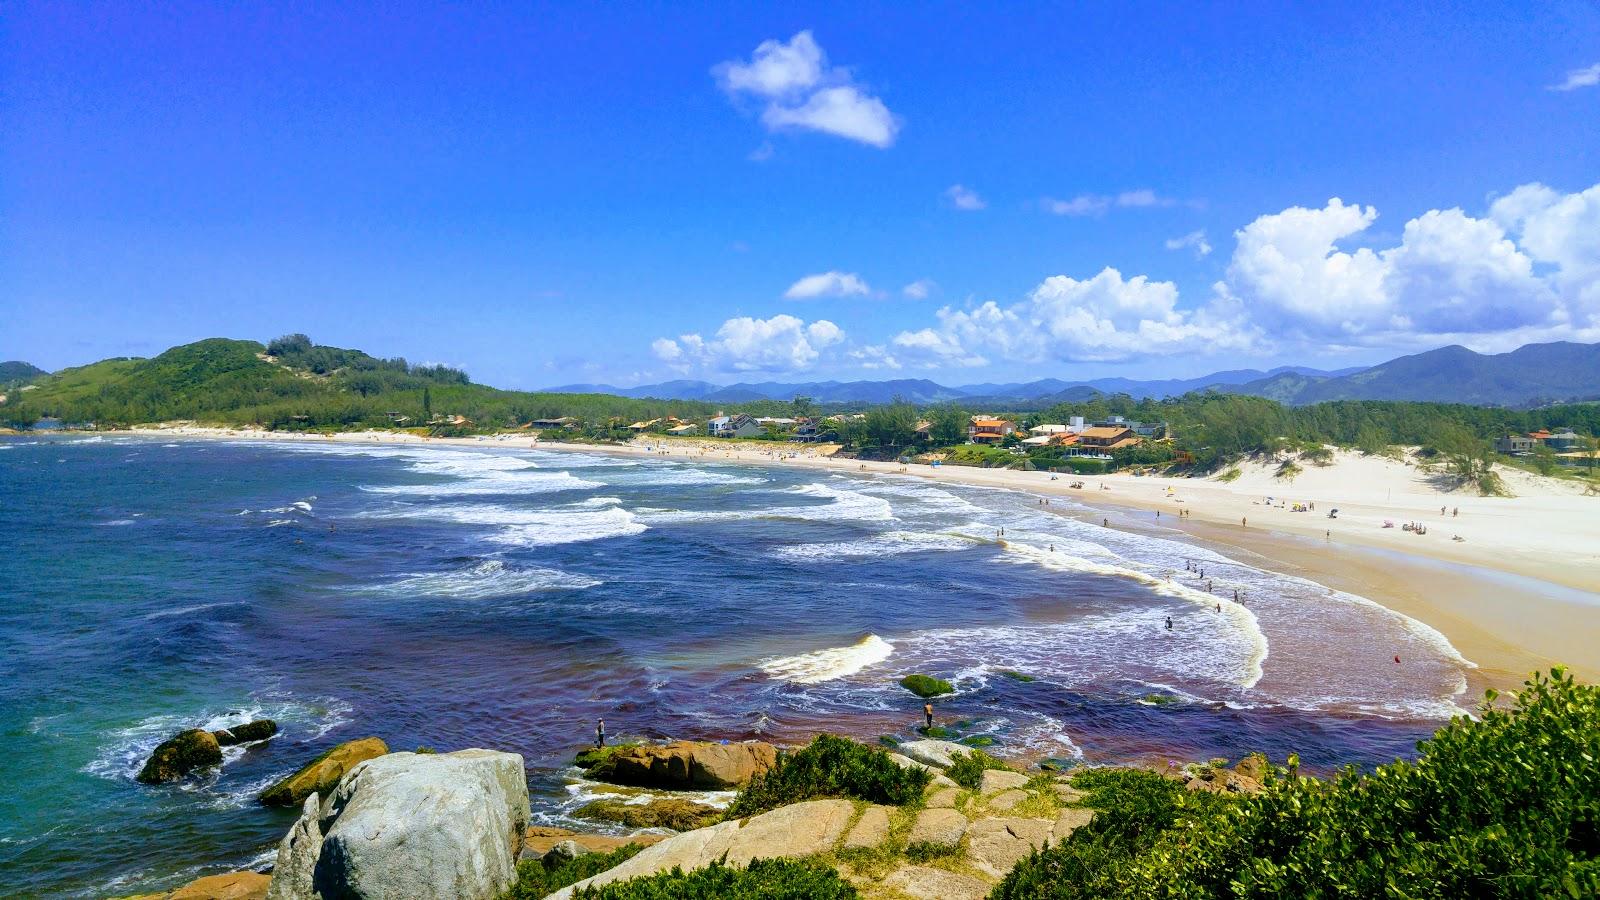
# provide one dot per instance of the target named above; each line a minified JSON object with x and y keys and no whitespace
{"x":675,"y":813}
{"x":967,"y":768}
{"x":535,"y":880}
{"x":763,"y":879}
{"x":831,"y":767}
{"x":1230,"y":475}
{"x":926,"y":685}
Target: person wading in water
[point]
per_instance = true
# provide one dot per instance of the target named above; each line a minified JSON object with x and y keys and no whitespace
{"x":927,"y":713}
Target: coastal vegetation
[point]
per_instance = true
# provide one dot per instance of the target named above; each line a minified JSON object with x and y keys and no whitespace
{"x":763,"y":879}
{"x":1502,"y":806}
{"x":831,"y":767}
{"x":538,"y":878}
{"x":966,"y":769}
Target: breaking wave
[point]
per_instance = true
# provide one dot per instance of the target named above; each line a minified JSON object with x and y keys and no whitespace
{"x":834,"y":662}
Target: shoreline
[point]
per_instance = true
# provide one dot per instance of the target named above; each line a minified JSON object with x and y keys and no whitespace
{"x":1510,"y":609}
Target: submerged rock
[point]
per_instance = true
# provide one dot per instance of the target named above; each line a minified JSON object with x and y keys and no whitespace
{"x":321,"y":774}
{"x":675,"y":813}
{"x":180,"y":755}
{"x":685,"y":765}
{"x":259,"y":730}
{"x":404,"y":825}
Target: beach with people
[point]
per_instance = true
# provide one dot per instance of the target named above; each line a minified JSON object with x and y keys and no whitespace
{"x":1512,"y":580}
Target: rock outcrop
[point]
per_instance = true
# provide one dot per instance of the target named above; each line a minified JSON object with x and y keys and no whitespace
{"x":675,"y":813}
{"x":232,"y":886}
{"x":803,"y":829}
{"x":180,"y":755}
{"x":259,"y":730}
{"x":684,"y":765}
{"x":414,"y":826}
{"x":939,"y":754}
{"x":321,"y":774}
{"x":542,"y":839}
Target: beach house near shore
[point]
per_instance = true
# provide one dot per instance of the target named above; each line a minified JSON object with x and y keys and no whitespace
{"x":989,"y":430}
{"x":738,"y":426}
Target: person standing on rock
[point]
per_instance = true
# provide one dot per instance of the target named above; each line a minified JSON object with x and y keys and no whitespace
{"x":600,"y":734}
{"x":927,"y":713}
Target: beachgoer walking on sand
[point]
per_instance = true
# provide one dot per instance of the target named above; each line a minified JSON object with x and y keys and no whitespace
{"x":1105,"y":523}
{"x":600,"y":734}
{"x":1455,"y":512}
{"x":927,"y":713}
{"x":1244,"y":521}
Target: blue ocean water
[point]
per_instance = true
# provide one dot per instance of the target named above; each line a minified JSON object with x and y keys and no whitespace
{"x":488,"y":596}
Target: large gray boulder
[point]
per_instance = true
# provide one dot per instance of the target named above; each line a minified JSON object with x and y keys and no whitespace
{"x":409,"y":826}
{"x":940,"y":754}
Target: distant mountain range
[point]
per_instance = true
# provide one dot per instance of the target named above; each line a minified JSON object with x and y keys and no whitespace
{"x":1529,"y":376}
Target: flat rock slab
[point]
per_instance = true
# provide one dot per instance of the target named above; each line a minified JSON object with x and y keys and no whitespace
{"x":1006,"y":800}
{"x":944,"y":799}
{"x":1068,"y":793}
{"x":870,"y":830}
{"x":1069,"y":821}
{"x":994,"y":846}
{"x":933,"y":753}
{"x":232,"y":886}
{"x":996,"y":780}
{"x":799,"y":830}
{"x":924,"y":883}
{"x":540,"y":840}
{"x":938,"y":826}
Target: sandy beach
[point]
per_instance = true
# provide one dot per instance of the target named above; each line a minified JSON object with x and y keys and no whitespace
{"x":1520,"y":591}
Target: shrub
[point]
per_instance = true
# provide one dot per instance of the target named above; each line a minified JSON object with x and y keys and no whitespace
{"x":966,"y":769}
{"x":831,"y":767}
{"x":1317,"y":456}
{"x":675,"y":813}
{"x":1287,"y":471}
{"x":763,"y":879}
{"x":1230,"y":476}
{"x":1506,"y":806}
{"x":926,"y":686}
{"x":535,"y":881}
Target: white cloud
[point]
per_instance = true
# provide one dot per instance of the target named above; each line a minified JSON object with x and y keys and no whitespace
{"x":919,"y":289}
{"x":780,"y":344}
{"x":828,"y":284}
{"x":1104,"y":318}
{"x":964,"y":198}
{"x":1588,"y":76}
{"x":802,"y":91}
{"x":1451,"y":277}
{"x":1096,"y":204}
{"x":1194,"y":239}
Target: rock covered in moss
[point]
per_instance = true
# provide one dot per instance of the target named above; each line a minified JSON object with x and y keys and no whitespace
{"x":683,"y":765}
{"x":322,"y":774}
{"x":675,"y":813}
{"x":249,"y":732}
{"x":180,"y":755}
{"x":926,"y":685}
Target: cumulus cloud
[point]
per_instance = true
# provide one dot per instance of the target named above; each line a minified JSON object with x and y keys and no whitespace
{"x":1195,"y":240}
{"x":799,"y":89}
{"x":828,"y":284}
{"x":964,"y":198}
{"x":744,"y":344}
{"x":1589,"y":76}
{"x":1063,"y":319}
{"x":1451,"y":276}
{"x":919,"y":289}
{"x":1096,"y":204}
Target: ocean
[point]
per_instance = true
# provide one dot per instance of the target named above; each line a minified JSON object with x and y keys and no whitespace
{"x":480,"y":596}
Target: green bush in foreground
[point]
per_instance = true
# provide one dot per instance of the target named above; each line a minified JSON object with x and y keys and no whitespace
{"x":764,"y":879}
{"x":966,"y":769}
{"x":926,"y":686}
{"x":831,"y":767}
{"x":1508,"y":806}
{"x":535,"y":881}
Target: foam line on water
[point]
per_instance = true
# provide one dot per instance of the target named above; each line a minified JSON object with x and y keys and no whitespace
{"x":484,"y":580}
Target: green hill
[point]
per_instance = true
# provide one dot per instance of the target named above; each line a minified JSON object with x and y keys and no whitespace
{"x":18,"y":372}
{"x":294,"y":383}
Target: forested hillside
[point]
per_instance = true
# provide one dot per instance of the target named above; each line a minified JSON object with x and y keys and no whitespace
{"x":295,"y":383}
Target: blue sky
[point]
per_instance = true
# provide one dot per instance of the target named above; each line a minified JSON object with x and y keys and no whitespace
{"x":552,"y":193}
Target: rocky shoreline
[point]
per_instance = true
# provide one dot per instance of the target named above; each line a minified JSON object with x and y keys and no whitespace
{"x":457,"y":825}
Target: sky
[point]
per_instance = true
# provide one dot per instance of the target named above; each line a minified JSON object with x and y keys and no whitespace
{"x":550,"y":193}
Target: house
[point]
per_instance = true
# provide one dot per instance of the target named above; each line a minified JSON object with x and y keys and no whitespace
{"x":644,"y":426}
{"x":1105,"y":438}
{"x":987,"y":430}
{"x":775,"y":421}
{"x":1539,"y":436}
{"x":563,"y":422}
{"x":682,"y":430}
{"x":739,"y":426}
{"x":1047,"y":430}
{"x":1514,"y":444}
{"x":805,"y":429}
{"x":1564,"y":440}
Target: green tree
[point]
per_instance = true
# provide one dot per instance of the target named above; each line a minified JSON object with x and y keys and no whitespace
{"x":947,"y":425}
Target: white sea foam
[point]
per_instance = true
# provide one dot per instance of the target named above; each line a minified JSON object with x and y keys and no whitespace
{"x":124,"y":750}
{"x":486,"y":579}
{"x":683,"y":476}
{"x":528,"y":527}
{"x":524,"y":481}
{"x":891,"y":543}
{"x":116,"y":522}
{"x":826,"y":665}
